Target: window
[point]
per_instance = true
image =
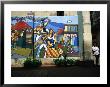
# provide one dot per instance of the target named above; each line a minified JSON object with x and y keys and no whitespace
{"x":72,"y":28}
{"x":60,"y":13}
{"x":72,"y":40}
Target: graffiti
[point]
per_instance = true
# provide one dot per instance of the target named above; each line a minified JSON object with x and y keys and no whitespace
{"x":52,"y":37}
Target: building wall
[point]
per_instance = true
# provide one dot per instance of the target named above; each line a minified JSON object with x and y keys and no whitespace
{"x":37,"y":13}
{"x":87,"y":36}
{"x":70,"y":13}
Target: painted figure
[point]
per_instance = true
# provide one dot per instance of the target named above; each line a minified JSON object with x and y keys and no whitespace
{"x":51,"y":52}
{"x":76,"y":49}
{"x":40,"y":46}
{"x":72,"y":39}
{"x":51,"y":39}
{"x":40,"y":41}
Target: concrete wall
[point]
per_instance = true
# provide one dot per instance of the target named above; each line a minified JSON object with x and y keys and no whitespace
{"x":87,"y":35}
{"x":37,"y":13}
{"x":70,"y":13}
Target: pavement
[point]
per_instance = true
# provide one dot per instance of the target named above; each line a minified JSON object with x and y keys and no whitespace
{"x":55,"y":71}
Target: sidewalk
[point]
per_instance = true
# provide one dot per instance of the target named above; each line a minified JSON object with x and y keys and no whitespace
{"x":54,"y":71}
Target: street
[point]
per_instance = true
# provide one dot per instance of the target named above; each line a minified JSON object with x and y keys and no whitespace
{"x":54,"y":71}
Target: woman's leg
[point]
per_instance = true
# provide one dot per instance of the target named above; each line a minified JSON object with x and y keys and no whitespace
{"x":97,"y":59}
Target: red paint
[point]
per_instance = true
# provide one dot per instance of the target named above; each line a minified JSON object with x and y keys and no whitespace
{"x":20,"y":25}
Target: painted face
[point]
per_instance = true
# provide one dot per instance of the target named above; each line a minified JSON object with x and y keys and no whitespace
{"x":12,"y":34}
{"x":39,"y":28}
{"x":75,"y":35}
{"x":55,"y":35}
{"x":65,"y":35}
{"x":68,"y":35}
{"x":51,"y":31}
{"x":72,"y":35}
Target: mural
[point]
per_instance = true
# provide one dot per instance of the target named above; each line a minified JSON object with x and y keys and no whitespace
{"x":44,"y":37}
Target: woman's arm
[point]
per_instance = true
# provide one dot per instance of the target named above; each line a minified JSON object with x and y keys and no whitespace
{"x":49,"y":44}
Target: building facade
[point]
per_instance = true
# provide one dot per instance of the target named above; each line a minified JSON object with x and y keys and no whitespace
{"x":83,"y":30}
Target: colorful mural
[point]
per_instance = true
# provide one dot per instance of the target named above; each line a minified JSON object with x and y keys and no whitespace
{"x":45,"y":37}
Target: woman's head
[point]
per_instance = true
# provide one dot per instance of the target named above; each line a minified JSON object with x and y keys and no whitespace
{"x":94,"y":44}
{"x":39,"y":28}
{"x":51,"y":32}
